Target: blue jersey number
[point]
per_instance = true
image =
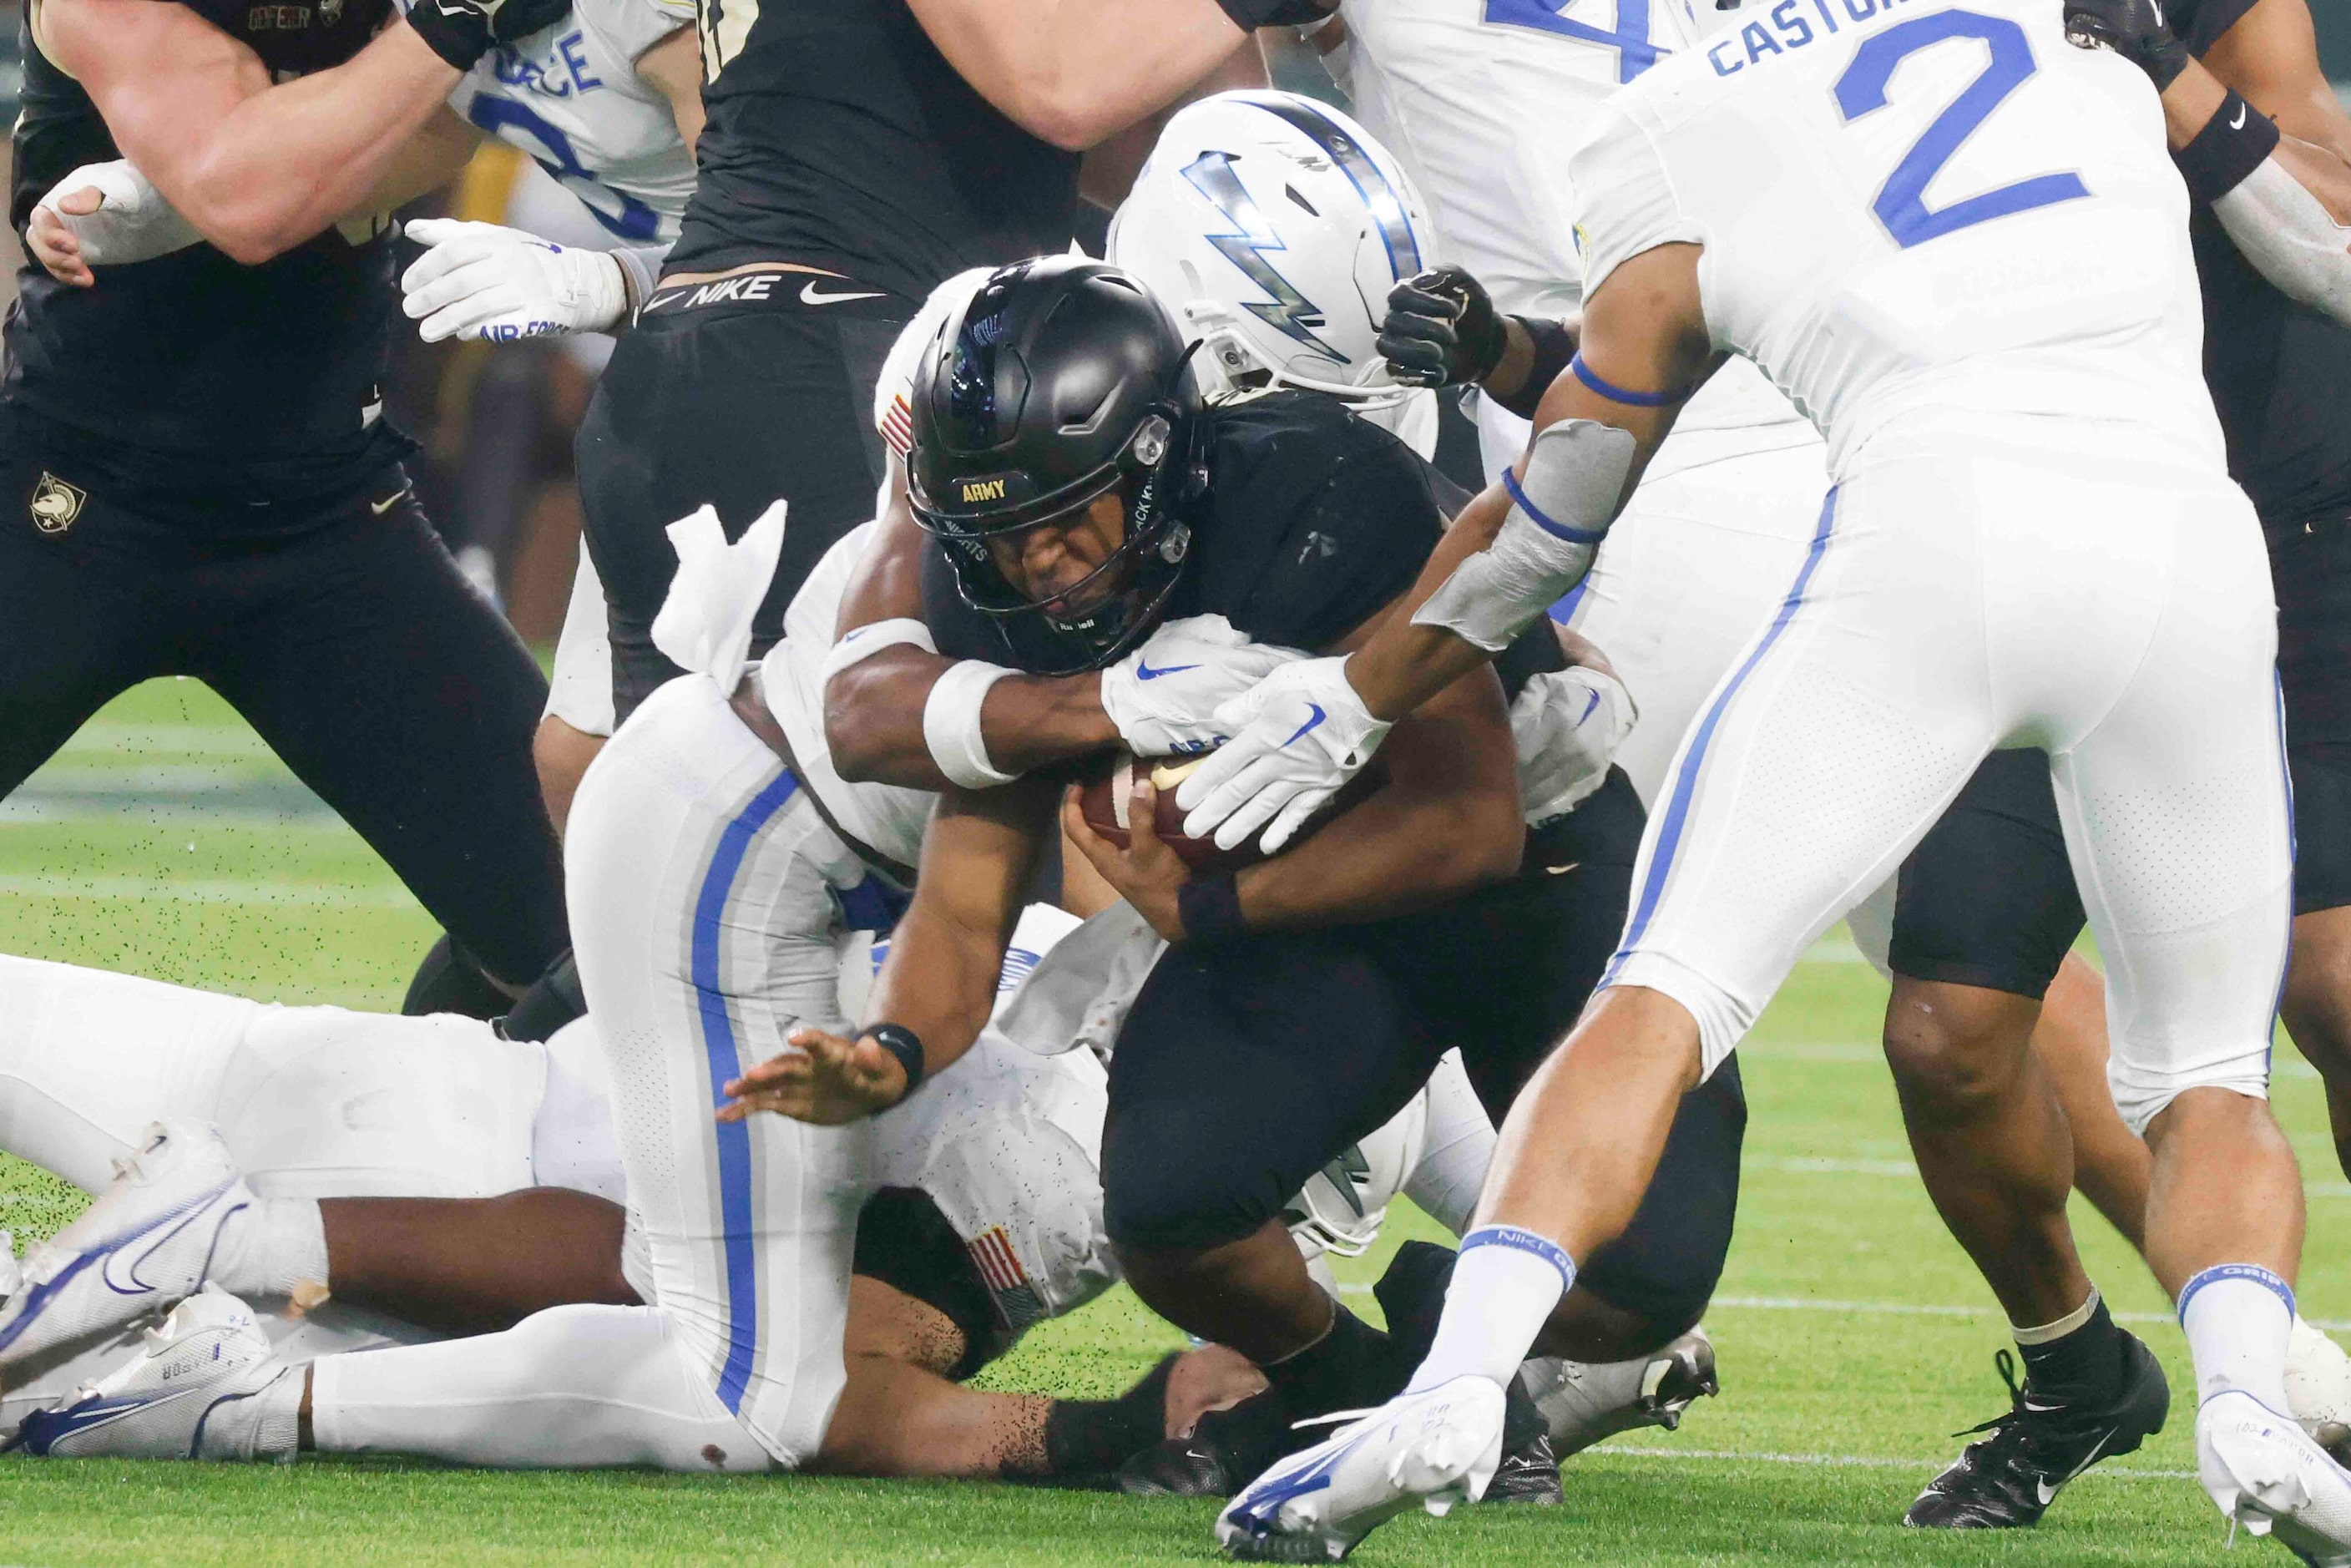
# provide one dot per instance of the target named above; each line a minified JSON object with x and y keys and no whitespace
{"x":1635,"y":53}
{"x":616,"y":210}
{"x":1901,"y":203}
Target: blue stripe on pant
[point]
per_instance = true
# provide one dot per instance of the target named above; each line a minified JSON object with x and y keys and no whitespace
{"x":1677,"y":813}
{"x":718,"y":1044}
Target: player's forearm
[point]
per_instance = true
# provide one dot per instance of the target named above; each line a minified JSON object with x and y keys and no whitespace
{"x":939,"y":980}
{"x":1074,"y":71}
{"x":874,"y":720}
{"x":290,"y":162}
{"x":2283,"y":199}
{"x":1405,"y":664}
{"x":1448,"y":821}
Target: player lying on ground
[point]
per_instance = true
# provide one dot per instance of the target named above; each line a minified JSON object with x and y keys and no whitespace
{"x":1186,"y":1166}
{"x":1985,"y":574}
{"x":431,"y":1178}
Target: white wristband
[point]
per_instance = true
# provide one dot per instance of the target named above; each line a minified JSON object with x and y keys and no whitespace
{"x":951,"y":726}
{"x":864,"y":642}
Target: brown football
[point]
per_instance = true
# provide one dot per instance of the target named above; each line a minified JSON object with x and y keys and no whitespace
{"x":1109,"y":796}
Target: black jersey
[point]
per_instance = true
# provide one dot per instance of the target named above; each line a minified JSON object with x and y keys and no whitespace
{"x":2280,"y":372}
{"x":192,"y":375}
{"x":1313,"y":521}
{"x":839,"y":136}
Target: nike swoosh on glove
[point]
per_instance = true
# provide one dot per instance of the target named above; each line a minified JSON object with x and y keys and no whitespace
{"x":1298,"y":737}
{"x":1164,"y":696}
{"x":133,"y":222}
{"x":479,"y":280}
{"x":1567,"y":726}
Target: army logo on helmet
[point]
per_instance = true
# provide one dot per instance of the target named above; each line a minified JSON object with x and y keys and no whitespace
{"x":56,"y":504}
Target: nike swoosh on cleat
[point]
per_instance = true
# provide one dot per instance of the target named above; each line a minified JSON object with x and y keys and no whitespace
{"x":2048,"y":1494}
{"x":809,"y":296}
{"x":1310,"y":724}
{"x":1143,"y":672}
{"x":43,"y":1429}
{"x":119,"y":1246}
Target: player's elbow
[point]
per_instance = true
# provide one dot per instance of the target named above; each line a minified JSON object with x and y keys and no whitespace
{"x":857,"y":732}
{"x":1071,"y":118}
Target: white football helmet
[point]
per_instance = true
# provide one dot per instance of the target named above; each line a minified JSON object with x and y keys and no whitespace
{"x":1273,"y":226}
{"x":1340,"y":1208}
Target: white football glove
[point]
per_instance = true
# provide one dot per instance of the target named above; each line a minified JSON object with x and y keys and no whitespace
{"x":479,"y":280}
{"x":133,"y":222}
{"x":1568,"y":725}
{"x":1298,"y":737}
{"x":1164,"y":695}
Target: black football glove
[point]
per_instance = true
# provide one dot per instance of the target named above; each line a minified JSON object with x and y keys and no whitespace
{"x":1441,"y":330}
{"x":2135,"y":30}
{"x":462,"y":31}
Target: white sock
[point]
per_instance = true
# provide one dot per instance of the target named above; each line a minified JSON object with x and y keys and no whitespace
{"x":570,"y":1387}
{"x":265,"y":1426}
{"x":1504,"y":1287}
{"x":2238,"y":1318}
{"x":272,"y":1249}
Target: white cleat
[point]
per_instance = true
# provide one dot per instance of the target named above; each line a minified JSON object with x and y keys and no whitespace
{"x":188,"y":1392}
{"x":1435,"y":1448}
{"x":145,"y":1245}
{"x":2266,"y":1474}
{"x":2319,"y":1389}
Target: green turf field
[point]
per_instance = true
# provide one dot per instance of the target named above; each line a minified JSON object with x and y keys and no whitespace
{"x":1854,"y":1336}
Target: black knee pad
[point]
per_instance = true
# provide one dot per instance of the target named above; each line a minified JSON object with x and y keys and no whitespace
{"x":1665,"y":1265}
{"x":450,"y":981}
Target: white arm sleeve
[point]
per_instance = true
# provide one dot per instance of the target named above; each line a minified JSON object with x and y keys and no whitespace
{"x":2291,"y":238}
{"x":1624,"y":201}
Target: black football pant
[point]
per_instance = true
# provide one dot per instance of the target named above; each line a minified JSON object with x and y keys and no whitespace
{"x":344,"y":635}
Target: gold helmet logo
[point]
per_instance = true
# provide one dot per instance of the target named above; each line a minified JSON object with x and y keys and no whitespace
{"x":977,"y":490}
{"x":56,"y":504}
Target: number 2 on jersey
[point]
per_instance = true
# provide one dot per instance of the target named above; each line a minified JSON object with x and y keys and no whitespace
{"x":1901,"y":203}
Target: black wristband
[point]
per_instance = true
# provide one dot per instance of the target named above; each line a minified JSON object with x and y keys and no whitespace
{"x":1210,"y":907}
{"x":1554,"y":347}
{"x":903,"y":1043}
{"x":1251,"y":14}
{"x":2232,"y":144}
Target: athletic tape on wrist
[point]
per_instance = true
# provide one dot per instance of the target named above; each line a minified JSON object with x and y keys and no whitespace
{"x":951,"y":726}
{"x":2234,"y":143}
{"x":1576,"y":472}
{"x":864,"y":642}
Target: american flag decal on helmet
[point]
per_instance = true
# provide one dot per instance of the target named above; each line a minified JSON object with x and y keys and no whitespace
{"x":1016,"y":1302}
{"x":898,"y":425}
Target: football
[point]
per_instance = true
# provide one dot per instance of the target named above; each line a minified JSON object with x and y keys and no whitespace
{"x":1108,"y":799}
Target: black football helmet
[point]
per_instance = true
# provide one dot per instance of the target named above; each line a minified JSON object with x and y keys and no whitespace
{"x":1062,"y":380}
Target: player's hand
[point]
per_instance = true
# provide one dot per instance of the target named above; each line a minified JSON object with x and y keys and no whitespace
{"x":462,"y":31}
{"x":1568,"y":725}
{"x":823,"y":1079}
{"x":1298,"y":737}
{"x":1164,"y":695}
{"x":478,"y":281}
{"x":1441,"y":330}
{"x":1147,"y":874}
{"x":2135,"y":30}
{"x":103,"y":214}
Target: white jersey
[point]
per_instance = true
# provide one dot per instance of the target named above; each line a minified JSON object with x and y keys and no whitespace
{"x":569,"y":97}
{"x":1483,"y":100}
{"x":1928,"y":213}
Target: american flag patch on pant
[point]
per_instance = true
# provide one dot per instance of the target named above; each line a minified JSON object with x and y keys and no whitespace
{"x":1016,"y":1302}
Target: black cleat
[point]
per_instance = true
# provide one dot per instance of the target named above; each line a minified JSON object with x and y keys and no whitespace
{"x":1529,"y":1472}
{"x":1226,"y":1451}
{"x":2006,"y":1480}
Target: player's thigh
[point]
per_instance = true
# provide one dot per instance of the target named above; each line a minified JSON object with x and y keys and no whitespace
{"x":1988,"y":898}
{"x":397,"y":692}
{"x":2311,"y":569}
{"x":1666,"y":1263}
{"x":1504,"y":973}
{"x":1241,"y":1070}
{"x":2177,"y":811}
{"x":695,"y":915}
{"x":84,"y":594}
{"x":1833,"y":745}
{"x":734,"y":409}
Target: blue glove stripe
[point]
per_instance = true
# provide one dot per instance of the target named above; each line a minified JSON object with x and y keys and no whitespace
{"x":1555,"y":528}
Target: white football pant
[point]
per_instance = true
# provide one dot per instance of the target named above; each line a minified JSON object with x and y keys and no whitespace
{"x":1966,"y":590}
